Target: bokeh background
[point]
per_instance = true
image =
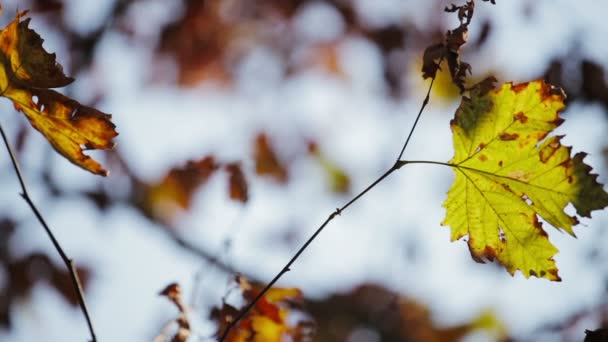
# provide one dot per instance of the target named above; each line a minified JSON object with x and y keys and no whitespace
{"x":311,"y":100}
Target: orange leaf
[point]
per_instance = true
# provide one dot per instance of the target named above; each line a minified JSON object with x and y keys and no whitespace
{"x":26,"y":71}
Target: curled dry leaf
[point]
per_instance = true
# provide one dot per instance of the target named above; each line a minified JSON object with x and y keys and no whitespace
{"x":450,"y":48}
{"x":174,"y":294}
{"x":26,"y":73}
{"x":510,"y":173}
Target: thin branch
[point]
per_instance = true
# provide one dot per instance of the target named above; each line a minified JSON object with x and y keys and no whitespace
{"x":286,"y":268}
{"x":135,"y":202}
{"x":69,"y":263}
{"x":398,"y":164}
{"x":200,"y":252}
{"x":404,"y":162}
{"x":424,"y":103}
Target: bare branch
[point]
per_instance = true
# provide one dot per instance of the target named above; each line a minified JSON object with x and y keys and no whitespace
{"x":69,"y":263}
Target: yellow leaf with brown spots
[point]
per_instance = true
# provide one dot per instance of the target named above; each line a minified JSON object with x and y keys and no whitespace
{"x":509,"y":172}
{"x":26,"y":73}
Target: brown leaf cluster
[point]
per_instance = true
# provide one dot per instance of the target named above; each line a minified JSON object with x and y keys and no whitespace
{"x":449,"y":49}
{"x":167,"y":197}
{"x":389,"y":316}
{"x":210,"y":38}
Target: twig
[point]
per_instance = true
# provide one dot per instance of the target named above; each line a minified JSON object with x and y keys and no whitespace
{"x":134,"y":200}
{"x":69,"y":263}
{"x":200,"y":252}
{"x":424,"y":103}
{"x":398,"y":164}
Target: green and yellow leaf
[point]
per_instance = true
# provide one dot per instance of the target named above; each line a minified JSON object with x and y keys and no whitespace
{"x":509,"y":173}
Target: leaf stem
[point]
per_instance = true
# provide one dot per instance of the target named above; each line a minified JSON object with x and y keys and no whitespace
{"x":69,"y":263}
{"x":424,"y":103}
{"x":405,"y":162}
{"x":398,"y":164}
{"x":286,"y":268}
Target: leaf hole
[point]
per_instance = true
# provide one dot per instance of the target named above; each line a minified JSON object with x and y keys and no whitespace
{"x":527,"y":199}
{"x":501,"y":234}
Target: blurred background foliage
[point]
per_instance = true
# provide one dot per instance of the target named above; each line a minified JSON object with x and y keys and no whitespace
{"x":242,"y":124}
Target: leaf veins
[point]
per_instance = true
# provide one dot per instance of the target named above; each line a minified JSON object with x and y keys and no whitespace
{"x":510,"y":173}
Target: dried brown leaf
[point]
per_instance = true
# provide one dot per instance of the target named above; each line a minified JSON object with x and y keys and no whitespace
{"x":237,"y":185}
{"x":266,"y":161}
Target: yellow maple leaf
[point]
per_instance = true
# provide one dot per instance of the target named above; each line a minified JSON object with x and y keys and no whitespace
{"x":26,"y":73}
{"x":509,"y":173}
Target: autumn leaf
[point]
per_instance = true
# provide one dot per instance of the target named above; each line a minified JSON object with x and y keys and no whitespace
{"x":26,"y":73}
{"x":237,"y":185}
{"x":164,"y":199}
{"x":510,"y":173}
{"x":267,"y":320}
{"x":266,"y":161}
{"x":173,"y":293}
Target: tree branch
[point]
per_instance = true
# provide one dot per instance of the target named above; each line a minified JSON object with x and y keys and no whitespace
{"x":398,"y":164}
{"x":424,"y":103}
{"x":69,"y":263}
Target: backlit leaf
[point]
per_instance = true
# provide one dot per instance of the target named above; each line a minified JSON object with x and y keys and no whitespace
{"x":26,"y":73}
{"x":509,"y":172}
